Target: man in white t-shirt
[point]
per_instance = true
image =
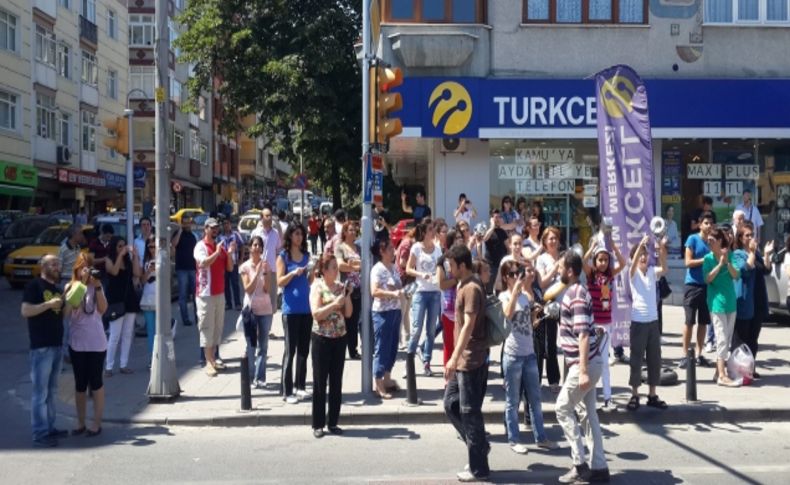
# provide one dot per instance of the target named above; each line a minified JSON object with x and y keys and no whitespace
{"x":750,"y":212}
{"x":146,"y":228}
{"x":272,"y":243}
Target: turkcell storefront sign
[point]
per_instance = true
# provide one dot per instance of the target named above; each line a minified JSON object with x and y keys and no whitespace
{"x":563,"y":108}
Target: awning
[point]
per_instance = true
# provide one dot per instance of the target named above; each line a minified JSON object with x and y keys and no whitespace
{"x":185,"y":184}
{"x":17,"y":190}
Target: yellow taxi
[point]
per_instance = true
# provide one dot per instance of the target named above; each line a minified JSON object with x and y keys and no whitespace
{"x":22,"y":265}
{"x":186,"y":212}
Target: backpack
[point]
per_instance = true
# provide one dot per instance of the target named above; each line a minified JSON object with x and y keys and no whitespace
{"x":497,"y":326}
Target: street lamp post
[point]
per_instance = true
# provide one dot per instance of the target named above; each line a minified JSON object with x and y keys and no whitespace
{"x":129,"y":114}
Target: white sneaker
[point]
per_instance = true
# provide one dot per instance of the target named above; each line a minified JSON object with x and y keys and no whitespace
{"x":608,"y":406}
{"x":709,"y":348}
{"x":612,"y":360}
{"x":519,"y":448}
{"x":664,"y":341}
{"x":292,"y":399}
{"x":303,"y":395}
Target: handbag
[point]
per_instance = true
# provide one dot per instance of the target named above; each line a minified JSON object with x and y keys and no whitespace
{"x":663,"y":288}
{"x":114,"y":312}
{"x":248,"y":323}
{"x":497,"y":326}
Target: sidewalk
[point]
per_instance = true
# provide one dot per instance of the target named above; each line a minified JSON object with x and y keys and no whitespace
{"x":216,"y":401}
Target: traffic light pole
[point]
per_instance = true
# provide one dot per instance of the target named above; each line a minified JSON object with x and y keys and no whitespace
{"x":366,"y":226}
{"x":164,"y":380}
{"x":129,"y":113}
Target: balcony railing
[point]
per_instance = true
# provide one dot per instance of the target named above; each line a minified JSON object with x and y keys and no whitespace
{"x":88,"y":31}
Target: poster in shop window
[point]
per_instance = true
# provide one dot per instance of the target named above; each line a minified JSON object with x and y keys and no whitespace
{"x":626,"y":175}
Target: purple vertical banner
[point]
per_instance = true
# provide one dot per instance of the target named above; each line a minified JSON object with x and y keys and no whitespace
{"x":626,"y":175}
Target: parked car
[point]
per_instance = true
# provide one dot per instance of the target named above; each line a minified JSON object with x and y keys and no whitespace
{"x":327,"y":208}
{"x":400,"y":229}
{"x":186,"y":212}
{"x":24,"y":231}
{"x":248,"y":223}
{"x":22,"y":265}
{"x":777,"y":282}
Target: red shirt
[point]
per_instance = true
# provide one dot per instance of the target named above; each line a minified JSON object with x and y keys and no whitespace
{"x":313,"y":225}
{"x":209,"y":281}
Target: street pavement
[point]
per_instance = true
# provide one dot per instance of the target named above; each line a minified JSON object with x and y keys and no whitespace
{"x":207,"y":401}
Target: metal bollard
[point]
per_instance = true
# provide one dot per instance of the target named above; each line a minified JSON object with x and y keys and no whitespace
{"x":691,"y":376}
{"x":246,"y":395}
{"x":411,"y":382}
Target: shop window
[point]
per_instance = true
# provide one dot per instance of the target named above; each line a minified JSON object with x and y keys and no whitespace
{"x":747,"y":12}
{"x":585,"y":11}
{"x":435,"y":11}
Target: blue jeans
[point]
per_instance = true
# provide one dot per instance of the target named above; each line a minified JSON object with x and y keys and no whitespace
{"x":150,"y":328}
{"x":425,"y":307}
{"x":232,"y":295}
{"x":45,"y":366}
{"x":257,"y":354}
{"x":522,"y":373}
{"x":186,"y":286}
{"x":385,"y":344}
{"x":710,"y":336}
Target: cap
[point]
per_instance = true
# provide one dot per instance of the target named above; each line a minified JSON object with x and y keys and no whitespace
{"x":211,"y":222}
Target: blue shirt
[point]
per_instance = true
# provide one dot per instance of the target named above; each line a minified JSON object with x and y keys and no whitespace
{"x":420,"y":212}
{"x":699,"y":249}
{"x":745,"y":286}
{"x":296,"y":294}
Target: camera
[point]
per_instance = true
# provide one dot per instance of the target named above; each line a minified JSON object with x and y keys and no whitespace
{"x":95,"y":273}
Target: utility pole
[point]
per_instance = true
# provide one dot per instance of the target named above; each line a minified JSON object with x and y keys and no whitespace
{"x":366,"y":227}
{"x":164,"y":380}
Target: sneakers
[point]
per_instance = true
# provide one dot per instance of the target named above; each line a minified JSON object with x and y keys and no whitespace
{"x":684,"y":362}
{"x":303,"y":395}
{"x":578,"y":473}
{"x":466,"y":476}
{"x":608,"y":406}
{"x":709,"y":348}
{"x":45,"y":442}
{"x":548,"y":445}
{"x":291,"y":399}
{"x":612,"y":361}
{"x":519,"y":448}
{"x":427,"y":370}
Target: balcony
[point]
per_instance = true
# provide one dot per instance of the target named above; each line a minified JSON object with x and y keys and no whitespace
{"x":90,"y":94}
{"x":88,"y":31}
{"x":44,"y":149}
{"x":45,"y":75}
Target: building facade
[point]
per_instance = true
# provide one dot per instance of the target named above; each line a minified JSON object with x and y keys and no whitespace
{"x":64,"y":71}
{"x":499,"y":94}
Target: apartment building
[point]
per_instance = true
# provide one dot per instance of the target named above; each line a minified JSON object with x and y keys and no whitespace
{"x":64,"y":70}
{"x":189,"y":134}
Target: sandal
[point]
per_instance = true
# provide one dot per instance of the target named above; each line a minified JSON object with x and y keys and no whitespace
{"x":383,"y":395}
{"x":633,"y":403}
{"x":655,"y":402}
{"x":78,"y":431}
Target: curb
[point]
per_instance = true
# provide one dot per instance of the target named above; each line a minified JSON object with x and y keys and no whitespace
{"x":678,"y":414}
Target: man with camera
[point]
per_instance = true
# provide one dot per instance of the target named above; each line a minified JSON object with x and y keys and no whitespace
{"x":42,"y":305}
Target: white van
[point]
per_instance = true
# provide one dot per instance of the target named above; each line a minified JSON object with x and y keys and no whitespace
{"x":296,"y":194}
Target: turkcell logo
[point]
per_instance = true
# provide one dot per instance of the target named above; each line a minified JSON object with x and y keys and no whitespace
{"x":617,"y":94}
{"x":451,"y":108}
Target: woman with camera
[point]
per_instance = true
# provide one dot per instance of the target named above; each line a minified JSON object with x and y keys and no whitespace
{"x":253,"y":279}
{"x":330,"y":304}
{"x":87,"y":343}
{"x":350,"y":262}
{"x":122,"y":266}
{"x":547,"y":266}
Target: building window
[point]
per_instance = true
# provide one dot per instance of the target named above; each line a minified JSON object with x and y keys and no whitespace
{"x":436,"y":11}
{"x":141,"y":30}
{"x":142,"y":78}
{"x":112,"y":84}
{"x":202,"y":108}
{"x":64,"y":135}
{"x":88,"y":131}
{"x":173,"y":30}
{"x":175,"y":91}
{"x":65,"y":4}
{"x":64,"y":60}
{"x":45,"y":45}
{"x":89,"y":10}
{"x":747,"y":12}
{"x":90,"y":70}
{"x":8,"y":110}
{"x":194,"y":145}
{"x":112,"y":24}
{"x":45,"y":116}
{"x":585,"y":11}
{"x":7,"y":31}
{"x":177,"y":142}
{"x":180,"y":4}
{"x":203,"y":154}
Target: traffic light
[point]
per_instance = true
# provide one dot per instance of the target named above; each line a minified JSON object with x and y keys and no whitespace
{"x":117,"y":137}
{"x":387,"y":102}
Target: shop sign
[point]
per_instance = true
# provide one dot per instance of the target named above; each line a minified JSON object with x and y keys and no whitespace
{"x":545,"y":155}
{"x":703,"y":171}
{"x":589,"y":202}
{"x":81,"y":179}
{"x":572,"y":171}
{"x":139,"y":176}
{"x":545,"y":187}
{"x":113,"y":180}
{"x":742,"y":172}
{"x":17,"y":174}
{"x":544,"y":171}
{"x":711,"y":188}
{"x":733,"y":189}
{"x":591,"y":189}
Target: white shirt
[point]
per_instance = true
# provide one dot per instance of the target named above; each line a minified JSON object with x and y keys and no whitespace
{"x":139,"y":246}
{"x":425,"y":262}
{"x":751,"y":213}
{"x":465,"y":216}
{"x":386,"y":279}
{"x":271,"y":244}
{"x":644,"y":299}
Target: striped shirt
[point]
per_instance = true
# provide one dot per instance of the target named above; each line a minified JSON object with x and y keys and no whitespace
{"x":576,"y":320}
{"x":600,"y":288}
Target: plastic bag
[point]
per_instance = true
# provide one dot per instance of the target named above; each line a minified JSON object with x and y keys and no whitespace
{"x":740,"y":365}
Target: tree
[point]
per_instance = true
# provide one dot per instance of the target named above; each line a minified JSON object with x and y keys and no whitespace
{"x":293,"y":64}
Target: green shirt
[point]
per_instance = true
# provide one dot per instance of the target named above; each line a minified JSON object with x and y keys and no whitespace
{"x":721,"y":291}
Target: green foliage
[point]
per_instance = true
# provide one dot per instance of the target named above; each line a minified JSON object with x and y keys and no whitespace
{"x":291,"y":62}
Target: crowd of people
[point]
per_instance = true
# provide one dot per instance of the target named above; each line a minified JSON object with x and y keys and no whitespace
{"x":435,"y":282}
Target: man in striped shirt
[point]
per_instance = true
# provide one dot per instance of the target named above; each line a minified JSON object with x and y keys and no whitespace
{"x":580,"y":346}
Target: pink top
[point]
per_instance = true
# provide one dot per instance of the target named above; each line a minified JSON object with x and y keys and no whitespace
{"x":86,"y":328}
{"x":259,"y":300}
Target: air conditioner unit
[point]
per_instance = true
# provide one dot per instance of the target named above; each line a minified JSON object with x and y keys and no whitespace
{"x":453,"y":145}
{"x":64,"y":155}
